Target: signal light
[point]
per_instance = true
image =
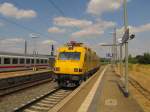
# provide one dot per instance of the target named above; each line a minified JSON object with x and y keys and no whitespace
{"x":57,"y":69}
{"x":132,"y":36}
{"x":77,"y":70}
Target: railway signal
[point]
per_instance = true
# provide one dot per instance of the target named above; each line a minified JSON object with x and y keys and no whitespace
{"x":52,"y":50}
{"x":34,"y":36}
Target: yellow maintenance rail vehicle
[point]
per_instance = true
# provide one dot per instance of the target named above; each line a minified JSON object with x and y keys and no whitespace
{"x":75,"y":63}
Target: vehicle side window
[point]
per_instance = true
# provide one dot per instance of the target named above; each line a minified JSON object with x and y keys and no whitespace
{"x":28,"y":61}
{"x":0,"y":60}
{"x":15,"y":61}
{"x":22,"y":61}
{"x":6,"y":60}
{"x":89,"y":57}
{"x":85,"y":57}
{"x":32,"y":61}
{"x":37,"y":61}
{"x":46,"y":61}
{"x":41,"y":60}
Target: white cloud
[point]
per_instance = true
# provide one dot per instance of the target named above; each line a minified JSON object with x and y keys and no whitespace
{"x":17,"y":45}
{"x":8,"y":9}
{"x":1,"y":24}
{"x":12,"y":45}
{"x":142,"y":28}
{"x":88,"y":32}
{"x":56,"y":30}
{"x":12,"y":41}
{"x":98,"y":7}
{"x":49,"y":42}
{"x":71,"y":22}
{"x":44,"y":47}
{"x":135,"y":29}
{"x":94,"y":30}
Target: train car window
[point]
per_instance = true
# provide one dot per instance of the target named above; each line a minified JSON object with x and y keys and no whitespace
{"x":32,"y":61}
{"x":15,"y":61}
{"x":6,"y":60}
{"x":22,"y":61}
{"x":42,"y":61}
{"x":37,"y":61}
{"x":45,"y":61}
{"x":28,"y":61}
{"x":0,"y":60}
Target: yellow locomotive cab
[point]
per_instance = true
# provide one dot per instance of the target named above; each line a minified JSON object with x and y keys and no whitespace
{"x":74,"y":63}
{"x":69,"y":63}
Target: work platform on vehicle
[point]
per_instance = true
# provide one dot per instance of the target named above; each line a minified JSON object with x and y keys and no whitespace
{"x":104,"y":95}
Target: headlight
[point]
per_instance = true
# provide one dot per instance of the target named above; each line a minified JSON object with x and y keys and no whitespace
{"x":77,"y":70}
{"x":80,"y":70}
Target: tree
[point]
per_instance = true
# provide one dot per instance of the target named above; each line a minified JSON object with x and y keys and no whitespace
{"x":132,"y":59}
{"x":142,"y":59}
{"x":145,"y":59}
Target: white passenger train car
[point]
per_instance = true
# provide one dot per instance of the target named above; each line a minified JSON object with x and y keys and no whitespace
{"x":13,"y":61}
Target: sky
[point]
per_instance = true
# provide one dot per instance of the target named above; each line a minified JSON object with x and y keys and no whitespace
{"x":59,"y":21}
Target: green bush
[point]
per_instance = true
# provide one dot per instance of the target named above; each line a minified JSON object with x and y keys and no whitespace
{"x":141,"y":59}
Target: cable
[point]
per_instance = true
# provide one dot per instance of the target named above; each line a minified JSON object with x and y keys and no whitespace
{"x":60,"y":10}
{"x":56,"y":7}
{"x":20,"y":25}
{"x":39,"y":17}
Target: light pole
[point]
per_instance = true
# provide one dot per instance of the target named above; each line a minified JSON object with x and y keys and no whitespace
{"x":25,"y":51}
{"x":121,"y":59}
{"x":34,"y":36}
{"x":126,"y":49}
{"x":124,"y":41}
{"x":115,"y":47}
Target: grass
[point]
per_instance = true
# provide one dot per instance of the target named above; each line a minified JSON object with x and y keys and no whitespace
{"x":141,"y":73}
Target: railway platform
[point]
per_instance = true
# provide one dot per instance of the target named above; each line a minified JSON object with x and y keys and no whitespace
{"x":104,"y":95}
{"x":110,"y":98}
{"x":13,"y":81}
{"x":11,"y":74}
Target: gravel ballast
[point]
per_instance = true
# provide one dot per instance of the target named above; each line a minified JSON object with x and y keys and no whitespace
{"x":10,"y":102}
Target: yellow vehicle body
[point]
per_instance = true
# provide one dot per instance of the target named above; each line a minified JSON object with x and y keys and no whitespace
{"x":75,"y":62}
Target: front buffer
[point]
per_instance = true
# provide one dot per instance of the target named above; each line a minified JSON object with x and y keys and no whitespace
{"x":67,"y":80}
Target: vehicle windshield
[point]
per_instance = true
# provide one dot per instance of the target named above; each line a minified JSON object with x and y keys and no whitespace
{"x":69,"y":56}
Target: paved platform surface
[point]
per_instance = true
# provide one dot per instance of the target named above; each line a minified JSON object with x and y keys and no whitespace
{"x":109,"y":98}
{"x":5,"y":75}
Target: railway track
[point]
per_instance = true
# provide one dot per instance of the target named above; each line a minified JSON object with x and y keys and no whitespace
{"x":13,"y":84}
{"x":140,"y":88}
{"x":145,"y":92}
{"x":45,"y":102}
